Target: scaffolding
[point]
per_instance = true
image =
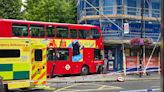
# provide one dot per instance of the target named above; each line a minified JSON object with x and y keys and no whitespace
{"x":98,"y":13}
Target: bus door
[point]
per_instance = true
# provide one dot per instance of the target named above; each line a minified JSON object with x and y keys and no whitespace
{"x":38,"y":65}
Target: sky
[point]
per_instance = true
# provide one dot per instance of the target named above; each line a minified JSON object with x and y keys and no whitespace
{"x":22,"y":8}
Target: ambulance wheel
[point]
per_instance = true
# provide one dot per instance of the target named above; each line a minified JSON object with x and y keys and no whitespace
{"x":85,"y":70}
{"x":6,"y":88}
{"x":24,"y":89}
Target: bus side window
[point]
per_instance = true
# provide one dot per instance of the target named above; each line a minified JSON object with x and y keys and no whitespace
{"x":52,"y":54}
{"x":83,"y":34}
{"x":62,"y":32}
{"x":95,"y":34}
{"x":73,"y":33}
{"x":63,"y":54}
{"x":50,"y":32}
{"x":19,"y":30}
{"x":36,"y":31}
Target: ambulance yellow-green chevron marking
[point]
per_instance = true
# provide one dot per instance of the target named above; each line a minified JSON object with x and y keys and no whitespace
{"x":16,"y":75}
{"x":15,"y":71}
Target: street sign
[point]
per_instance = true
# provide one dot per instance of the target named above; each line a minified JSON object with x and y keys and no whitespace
{"x":126,"y":28}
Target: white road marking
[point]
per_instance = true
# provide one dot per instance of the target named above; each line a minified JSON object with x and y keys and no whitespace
{"x":142,"y":90}
{"x":98,"y":87}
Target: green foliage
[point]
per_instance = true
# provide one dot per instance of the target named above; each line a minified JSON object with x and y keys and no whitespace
{"x":10,"y":9}
{"x":62,"y":11}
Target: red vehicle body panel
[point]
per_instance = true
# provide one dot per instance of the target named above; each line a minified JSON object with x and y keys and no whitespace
{"x":60,"y":67}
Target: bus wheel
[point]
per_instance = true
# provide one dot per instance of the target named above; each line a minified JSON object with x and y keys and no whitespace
{"x":84,"y":70}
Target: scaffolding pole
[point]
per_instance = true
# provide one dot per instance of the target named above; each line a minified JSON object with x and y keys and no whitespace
{"x":123,"y":48}
{"x":162,"y":43}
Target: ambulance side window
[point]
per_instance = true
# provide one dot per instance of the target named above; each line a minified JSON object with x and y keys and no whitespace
{"x":9,"y":53}
{"x":38,"y":55}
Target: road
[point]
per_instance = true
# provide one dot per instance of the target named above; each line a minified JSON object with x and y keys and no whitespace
{"x":127,"y":86}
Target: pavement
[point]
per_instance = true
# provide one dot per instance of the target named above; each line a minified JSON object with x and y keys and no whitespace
{"x":109,"y":77}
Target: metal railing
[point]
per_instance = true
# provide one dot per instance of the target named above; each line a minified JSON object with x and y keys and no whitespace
{"x":118,"y":10}
{"x":116,"y":34}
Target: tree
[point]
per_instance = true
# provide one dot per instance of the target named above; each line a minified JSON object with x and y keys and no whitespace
{"x":51,"y":10}
{"x":10,"y":9}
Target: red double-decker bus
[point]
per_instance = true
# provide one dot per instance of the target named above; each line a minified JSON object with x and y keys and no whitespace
{"x":71,"y":48}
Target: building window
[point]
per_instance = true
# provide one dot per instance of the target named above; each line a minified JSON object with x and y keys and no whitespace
{"x":155,"y":5}
{"x":95,"y":34}
{"x":146,"y":8}
{"x":20,"y":30}
{"x":62,"y":32}
{"x":93,"y":2}
{"x":155,"y":8}
{"x":133,"y":52}
{"x":108,"y":6}
{"x":131,"y":9}
{"x":127,"y":52}
{"x":89,"y":9}
{"x":73,"y":33}
{"x":9,"y":53}
{"x":36,"y":31}
{"x":119,"y":7}
{"x":38,"y":55}
{"x":50,"y":32}
{"x":148,"y":52}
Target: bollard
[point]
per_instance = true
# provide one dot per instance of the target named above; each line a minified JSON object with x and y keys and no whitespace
{"x":1,"y":85}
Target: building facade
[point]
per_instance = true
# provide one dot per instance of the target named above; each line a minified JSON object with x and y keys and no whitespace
{"x":111,"y":15}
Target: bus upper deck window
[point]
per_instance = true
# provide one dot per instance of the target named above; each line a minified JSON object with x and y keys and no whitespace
{"x":61,"y":32}
{"x":73,"y":33}
{"x":20,"y":30}
{"x":50,"y":32}
{"x":36,"y":31}
{"x":83,"y":34}
{"x":95,"y":34}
